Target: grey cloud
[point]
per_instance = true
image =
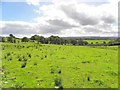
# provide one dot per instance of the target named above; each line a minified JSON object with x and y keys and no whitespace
{"x":91,"y":29}
{"x":16,"y":29}
{"x":82,"y":18}
{"x":49,"y":29}
{"x":55,"y":27}
{"x":60,"y":23}
{"x":108,"y":19}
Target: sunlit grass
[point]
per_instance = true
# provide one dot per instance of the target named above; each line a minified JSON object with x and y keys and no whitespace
{"x":39,"y":66}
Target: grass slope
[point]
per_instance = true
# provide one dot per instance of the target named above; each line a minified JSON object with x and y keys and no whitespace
{"x":38,"y":66}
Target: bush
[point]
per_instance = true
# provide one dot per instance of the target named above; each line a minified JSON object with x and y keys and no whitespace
{"x":45,"y":56}
{"x":23,"y":56}
{"x":59,"y":71}
{"x":20,"y":59}
{"x":58,"y":83}
{"x":35,"y":63}
{"x":23,"y":65}
{"x":5,"y":57}
{"x":3,"y":48}
{"x":88,"y":78}
{"x":25,"y":59}
{"x":29,"y":55}
{"x":85,"y":61}
{"x":10,"y":58}
{"x":8,"y":54}
{"x":52,"y":71}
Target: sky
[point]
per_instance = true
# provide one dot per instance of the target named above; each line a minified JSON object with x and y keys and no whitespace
{"x":59,"y":17}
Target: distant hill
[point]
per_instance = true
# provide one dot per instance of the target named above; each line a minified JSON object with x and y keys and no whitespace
{"x":91,"y":38}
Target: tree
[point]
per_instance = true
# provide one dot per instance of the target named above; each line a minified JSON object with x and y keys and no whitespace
{"x":92,"y":43}
{"x":97,"y":43}
{"x":54,"y":40}
{"x":62,"y":41}
{"x":104,"y":43}
{"x":42,"y":39}
{"x":66,"y":42}
{"x":73,"y":42}
{"x":46,"y":41}
{"x":25,"y":39}
{"x":114,"y":42}
{"x":2,"y":39}
{"x":85,"y":43}
{"x":10,"y":39}
{"x":14,"y":41}
{"x":80,"y":42}
{"x":11,"y":35}
{"x":35,"y":37}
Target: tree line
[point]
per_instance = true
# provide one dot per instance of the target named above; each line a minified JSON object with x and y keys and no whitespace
{"x":56,"y":40}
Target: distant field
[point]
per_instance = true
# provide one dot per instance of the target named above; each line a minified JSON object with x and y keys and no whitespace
{"x":99,"y":41}
{"x":41,"y":66}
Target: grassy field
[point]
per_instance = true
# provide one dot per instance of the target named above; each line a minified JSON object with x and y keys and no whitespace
{"x":44,"y":66}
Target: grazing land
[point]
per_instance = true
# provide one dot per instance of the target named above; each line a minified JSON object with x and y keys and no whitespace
{"x":36,"y":65}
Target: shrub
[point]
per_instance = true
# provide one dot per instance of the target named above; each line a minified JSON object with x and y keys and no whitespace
{"x":45,"y":56}
{"x":23,"y":56}
{"x":19,"y":59}
{"x":58,"y":83}
{"x":10,"y":58}
{"x":88,"y":78}
{"x":52,"y":71}
{"x":59,"y":71}
{"x":23,"y":65}
{"x":99,"y":82}
{"x":5,"y":57}
{"x":85,"y":61}
{"x":35,"y":63}
{"x":17,"y":85}
{"x":3,"y":48}
{"x":41,"y":58}
{"x":8,"y":54}
{"x":29,"y":55}
{"x":25,"y":59}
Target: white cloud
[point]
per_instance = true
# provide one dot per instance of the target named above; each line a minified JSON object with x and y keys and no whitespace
{"x":100,"y":17}
{"x":70,"y":19}
{"x":33,"y":2}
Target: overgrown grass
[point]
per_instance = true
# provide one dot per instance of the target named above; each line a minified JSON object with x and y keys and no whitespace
{"x":47,"y":66}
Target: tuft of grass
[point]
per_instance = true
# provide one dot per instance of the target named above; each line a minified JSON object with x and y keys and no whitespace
{"x":23,"y":65}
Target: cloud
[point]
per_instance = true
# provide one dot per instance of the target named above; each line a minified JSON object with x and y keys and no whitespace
{"x":54,"y":27}
{"x":17,"y":27}
{"x":108,"y":19}
{"x":60,"y":23}
{"x":47,"y":29}
{"x":33,"y":2}
{"x":69,"y":19}
{"x":91,"y":29}
{"x":81,"y":17}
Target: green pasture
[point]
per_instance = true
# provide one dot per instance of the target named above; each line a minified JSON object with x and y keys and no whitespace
{"x":32,"y":65}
